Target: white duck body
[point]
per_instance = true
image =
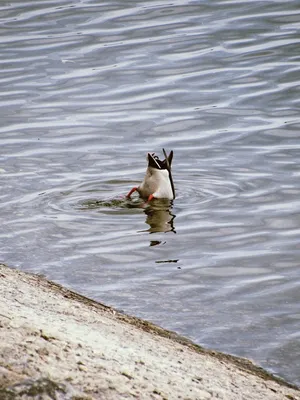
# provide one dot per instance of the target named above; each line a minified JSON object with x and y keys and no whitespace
{"x":157,"y":183}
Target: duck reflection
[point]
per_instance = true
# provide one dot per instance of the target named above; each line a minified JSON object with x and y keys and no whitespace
{"x":159,"y":216}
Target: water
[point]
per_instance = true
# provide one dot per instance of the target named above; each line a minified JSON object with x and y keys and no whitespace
{"x":87,"y":89}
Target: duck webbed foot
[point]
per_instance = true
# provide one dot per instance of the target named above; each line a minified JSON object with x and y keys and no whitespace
{"x":131,"y":191}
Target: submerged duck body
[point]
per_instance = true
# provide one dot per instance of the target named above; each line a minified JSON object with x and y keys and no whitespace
{"x":158,"y":181}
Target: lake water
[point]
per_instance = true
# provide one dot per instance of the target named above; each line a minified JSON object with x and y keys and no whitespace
{"x":87,"y":89}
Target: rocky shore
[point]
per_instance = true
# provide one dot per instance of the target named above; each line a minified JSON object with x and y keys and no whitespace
{"x":56,"y":344}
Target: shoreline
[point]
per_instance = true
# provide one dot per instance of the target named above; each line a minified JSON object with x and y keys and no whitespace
{"x":57,"y":342}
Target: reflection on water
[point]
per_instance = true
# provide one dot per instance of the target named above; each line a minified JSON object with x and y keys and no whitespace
{"x":160,"y":217}
{"x":166,"y":261}
{"x":158,"y":212}
{"x":87,"y":89}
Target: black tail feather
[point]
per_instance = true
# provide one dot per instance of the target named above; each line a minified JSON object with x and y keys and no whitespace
{"x":168,"y":161}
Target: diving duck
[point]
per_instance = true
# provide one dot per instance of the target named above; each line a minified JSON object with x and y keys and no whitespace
{"x":158,"y":181}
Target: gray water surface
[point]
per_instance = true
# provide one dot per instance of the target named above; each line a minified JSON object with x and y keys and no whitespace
{"x":87,"y":89}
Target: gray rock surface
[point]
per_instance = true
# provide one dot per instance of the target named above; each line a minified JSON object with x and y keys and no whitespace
{"x":56,"y":344}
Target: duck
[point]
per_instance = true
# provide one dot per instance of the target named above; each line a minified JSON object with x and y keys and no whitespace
{"x":158,"y":181}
